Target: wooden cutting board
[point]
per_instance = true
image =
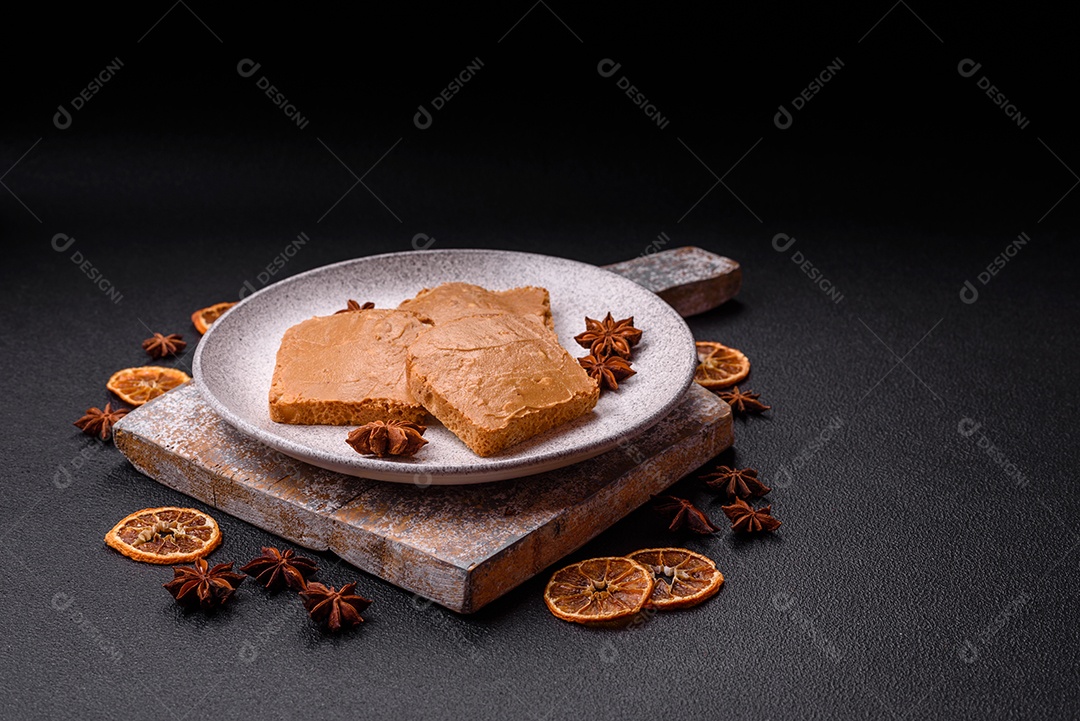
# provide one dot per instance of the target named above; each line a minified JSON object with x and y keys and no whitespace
{"x":459,"y":546}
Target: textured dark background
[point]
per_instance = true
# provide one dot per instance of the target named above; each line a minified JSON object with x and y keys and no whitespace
{"x":917,"y":575}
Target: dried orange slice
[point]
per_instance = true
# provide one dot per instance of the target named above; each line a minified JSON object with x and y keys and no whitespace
{"x":599,"y":589}
{"x":203,"y":317}
{"x":138,"y":385}
{"x":683,"y":578}
{"x":720,"y":366}
{"x":167,"y":535}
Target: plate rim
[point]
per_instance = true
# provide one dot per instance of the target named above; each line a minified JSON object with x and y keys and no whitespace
{"x":495,"y":469}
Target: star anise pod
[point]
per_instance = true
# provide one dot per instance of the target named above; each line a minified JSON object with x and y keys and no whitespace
{"x":609,"y":336}
{"x":736,"y":482}
{"x":353,"y":305}
{"x":276,"y":570}
{"x":743,"y":403}
{"x":99,"y":422}
{"x":202,"y":585}
{"x":388,"y":438}
{"x":747,"y":519}
{"x":334,"y":609}
{"x":159,"y":346}
{"x":607,"y":370}
{"x":684,"y":515}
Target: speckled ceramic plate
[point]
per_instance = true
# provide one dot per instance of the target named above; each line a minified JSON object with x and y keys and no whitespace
{"x":234,"y":362}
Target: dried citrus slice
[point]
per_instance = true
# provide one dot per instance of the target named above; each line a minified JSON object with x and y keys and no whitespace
{"x":599,"y":589}
{"x":720,"y":366}
{"x":138,"y":385}
{"x":203,"y":317}
{"x":165,"y":535}
{"x":683,"y":578}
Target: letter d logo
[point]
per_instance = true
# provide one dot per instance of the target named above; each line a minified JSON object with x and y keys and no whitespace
{"x":61,"y":242}
{"x":248,"y":652}
{"x":782,"y":601}
{"x":422,"y":119}
{"x":787,"y":480}
{"x":247,"y":67}
{"x":783,"y":118}
{"x":62,"y":119}
{"x":607,"y":67}
{"x":608,"y":652}
{"x":62,"y":478}
{"x":61,"y":601}
{"x":782,"y":241}
{"x":968,"y":67}
{"x":967,"y":427}
{"x":422,"y":241}
{"x":969,"y":293}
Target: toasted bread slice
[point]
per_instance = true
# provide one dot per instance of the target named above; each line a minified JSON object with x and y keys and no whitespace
{"x":495,"y":380}
{"x":456,"y":300}
{"x":346,"y":369}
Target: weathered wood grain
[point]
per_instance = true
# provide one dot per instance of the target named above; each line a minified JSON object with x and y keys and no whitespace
{"x":690,"y":279}
{"x":460,"y":546}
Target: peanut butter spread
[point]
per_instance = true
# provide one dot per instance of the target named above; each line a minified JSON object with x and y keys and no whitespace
{"x":492,"y":369}
{"x":456,"y":300}
{"x":328,"y":367}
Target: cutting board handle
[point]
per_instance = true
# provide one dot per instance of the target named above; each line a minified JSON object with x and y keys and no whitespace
{"x":692,"y":280}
